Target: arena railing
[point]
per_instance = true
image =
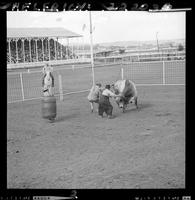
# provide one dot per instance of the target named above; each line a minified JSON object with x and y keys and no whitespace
{"x":22,"y":86}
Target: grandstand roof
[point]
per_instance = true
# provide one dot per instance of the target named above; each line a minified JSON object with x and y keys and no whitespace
{"x":40,"y":32}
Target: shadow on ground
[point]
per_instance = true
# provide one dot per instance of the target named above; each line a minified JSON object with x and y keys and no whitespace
{"x":142,"y":106}
{"x":66,"y":117}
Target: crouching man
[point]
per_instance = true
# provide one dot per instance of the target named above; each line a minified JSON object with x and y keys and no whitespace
{"x":94,"y":95}
{"x":104,"y":102}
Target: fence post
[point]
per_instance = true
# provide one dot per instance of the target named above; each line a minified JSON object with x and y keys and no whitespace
{"x":122,"y":73}
{"x":163,"y":72}
{"x":22,"y":86}
{"x":60,"y":87}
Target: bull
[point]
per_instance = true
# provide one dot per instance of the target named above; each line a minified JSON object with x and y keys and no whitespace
{"x":127,"y":91}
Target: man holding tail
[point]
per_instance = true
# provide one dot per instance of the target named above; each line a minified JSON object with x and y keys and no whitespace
{"x":104,"y":102}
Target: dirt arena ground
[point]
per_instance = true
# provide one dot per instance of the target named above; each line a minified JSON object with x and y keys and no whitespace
{"x":142,"y":148}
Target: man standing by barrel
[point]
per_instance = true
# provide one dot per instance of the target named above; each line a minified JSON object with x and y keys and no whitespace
{"x":49,"y":101}
{"x":48,"y":81}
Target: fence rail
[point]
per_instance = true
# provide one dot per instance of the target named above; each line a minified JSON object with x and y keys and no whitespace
{"x":27,"y":86}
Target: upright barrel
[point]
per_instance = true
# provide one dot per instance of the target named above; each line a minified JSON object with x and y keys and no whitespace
{"x":49,"y":107}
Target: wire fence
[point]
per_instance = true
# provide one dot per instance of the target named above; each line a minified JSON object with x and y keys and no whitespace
{"x":27,"y":86}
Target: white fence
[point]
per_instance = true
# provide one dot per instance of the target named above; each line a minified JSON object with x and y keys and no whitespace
{"x":27,"y":86}
{"x":142,"y":57}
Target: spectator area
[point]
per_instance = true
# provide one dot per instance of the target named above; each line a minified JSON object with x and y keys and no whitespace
{"x":39,"y":44}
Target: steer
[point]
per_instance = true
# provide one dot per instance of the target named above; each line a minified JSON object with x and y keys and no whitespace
{"x":127,"y":91}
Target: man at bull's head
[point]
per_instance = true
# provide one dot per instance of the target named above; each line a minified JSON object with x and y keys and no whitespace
{"x":104,"y":102}
{"x":48,"y":81}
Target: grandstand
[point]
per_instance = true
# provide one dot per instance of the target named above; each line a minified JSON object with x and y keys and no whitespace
{"x":35,"y":45}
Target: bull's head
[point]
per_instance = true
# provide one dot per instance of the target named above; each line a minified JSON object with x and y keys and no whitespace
{"x":120,"y":101}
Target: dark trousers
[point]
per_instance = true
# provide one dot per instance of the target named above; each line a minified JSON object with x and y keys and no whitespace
{"x":105,"y":106}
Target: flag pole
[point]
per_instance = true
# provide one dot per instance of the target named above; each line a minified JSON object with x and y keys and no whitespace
{"x":91,"y":48}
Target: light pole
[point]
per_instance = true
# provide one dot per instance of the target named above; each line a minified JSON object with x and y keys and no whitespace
{"x":91,"y":47}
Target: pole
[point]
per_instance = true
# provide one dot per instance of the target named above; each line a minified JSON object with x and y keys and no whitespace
{"x":60,"y":87}
{"x":36,"y":50}
{"x":22,"y":86}
{"x":122,"y":73}
{"x":42,"y":40}
{"x":16,"y":51}
{"x":49,"y":48}
{"x":55,"y":49}
{"x":67,"y":49}
{"x":23,"y":50}
{"x":163,"y":72}
{"x":10,"y":55}
{"x":61,"y":50}
{"x":91,"y":48}
{"x":72,"y":48}
{"x":30,"y":49}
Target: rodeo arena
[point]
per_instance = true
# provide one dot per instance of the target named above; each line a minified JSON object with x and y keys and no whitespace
{"x":65,"y":132}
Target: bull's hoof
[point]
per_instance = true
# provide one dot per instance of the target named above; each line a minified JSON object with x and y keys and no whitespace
{"x":91,"y":111}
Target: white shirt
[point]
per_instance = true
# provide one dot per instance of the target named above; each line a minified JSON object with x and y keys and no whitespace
{"x":108,"y":93}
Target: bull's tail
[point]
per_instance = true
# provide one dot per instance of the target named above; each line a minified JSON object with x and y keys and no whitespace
{"x":135,"y":98}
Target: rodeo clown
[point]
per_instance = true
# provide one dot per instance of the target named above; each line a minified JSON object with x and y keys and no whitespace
{"x":94,"y":95}
{"x":104,"y":102}
{"x":48,"y":81}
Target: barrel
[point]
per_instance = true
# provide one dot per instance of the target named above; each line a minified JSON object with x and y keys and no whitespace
{"x":49,"y":107}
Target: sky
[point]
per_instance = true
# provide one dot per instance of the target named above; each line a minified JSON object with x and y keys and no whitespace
{"x":108,"y":26}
